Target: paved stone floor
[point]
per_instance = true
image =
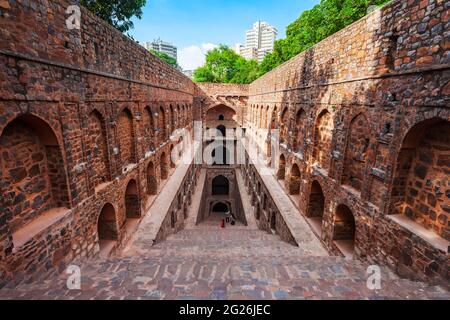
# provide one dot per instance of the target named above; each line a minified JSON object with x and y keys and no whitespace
{"x":206,"y":262}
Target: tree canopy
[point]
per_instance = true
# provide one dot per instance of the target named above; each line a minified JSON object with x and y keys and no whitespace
{"x":315,"y":25}
{"x":165,"y":57}
{"x":323,"y":20}
{"x":223,"y":65}
{"x":118,"y":13}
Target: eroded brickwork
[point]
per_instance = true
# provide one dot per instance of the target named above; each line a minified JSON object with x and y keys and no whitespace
{"x":98,"y":154}
{"x":83,"y":114}
{"x":422,"y":179}
{"x":356,"y":153}
{"x":345,"y":110}
{"x":26,"y":161}
{"x":212,"y":95}
{"x":126,"y":138}
{"x":86,"y":118}
{"x":323,"y":132}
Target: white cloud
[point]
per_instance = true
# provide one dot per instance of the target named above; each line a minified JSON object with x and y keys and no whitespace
{"x":192,"y":57}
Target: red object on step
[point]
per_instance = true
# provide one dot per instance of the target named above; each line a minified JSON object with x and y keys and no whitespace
{"x":222,"y":225}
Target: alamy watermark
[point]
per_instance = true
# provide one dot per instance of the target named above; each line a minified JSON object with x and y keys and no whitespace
{"x":74,"y":280}
{"x":374,"y":278}
{"x":73,"y":22}
{"x":222,"y":146}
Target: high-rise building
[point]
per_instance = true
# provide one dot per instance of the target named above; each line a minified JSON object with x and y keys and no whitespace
{"x":260,"y":40}
{"x":164,"y":47}
{"x":246,"y":52}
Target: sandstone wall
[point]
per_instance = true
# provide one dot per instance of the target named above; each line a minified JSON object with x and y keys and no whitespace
{"x":344,"y":109}
{"x":213,"y":95}
{"x":85,"y":117}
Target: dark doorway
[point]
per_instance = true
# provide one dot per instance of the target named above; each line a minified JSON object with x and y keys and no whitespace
{"x":221,"y":207}
{"x":220,"y":186}
{"x":132,"y":205}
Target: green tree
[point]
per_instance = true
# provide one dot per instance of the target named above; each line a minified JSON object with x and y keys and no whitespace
{"x":118,"y":13}
{"x":204,"y":74}
{"x":270,"y":62}
{"x":166,"y":58}
{"x":247,"y":71}
{"x":314,"y":25}
{"x":223,"y":65}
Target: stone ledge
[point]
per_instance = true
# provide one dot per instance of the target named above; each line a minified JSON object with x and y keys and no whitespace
{"x":102,"y":187}
{"x":249,"y":215}
{"x":345,"y":247}
{"x":41,"y":224}
{"x":157,"y":213}
{"x":294,"y":220}
{"x":427,"y":235}
{"x":319,"y":171}
{"x":299,"y":156}
{"x":194,"y":209}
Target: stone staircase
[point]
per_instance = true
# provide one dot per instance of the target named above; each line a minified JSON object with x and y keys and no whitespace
{"x":207,"y":262}
{"x":232,"y":243}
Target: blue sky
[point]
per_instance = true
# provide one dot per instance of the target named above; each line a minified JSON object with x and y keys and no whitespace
{"x":196,"y":26}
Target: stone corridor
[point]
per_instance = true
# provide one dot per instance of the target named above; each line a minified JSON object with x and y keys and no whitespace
{"x":355,"y":131}
{"x":207,"y":262}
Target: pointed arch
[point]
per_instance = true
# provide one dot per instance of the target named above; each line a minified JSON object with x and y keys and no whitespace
{"x":164,"y":167}
{"x":149,"y":128}
{"x":171,"y":156}
{"x":281,"y":167}
{"x":355,"y":160}
{"x":97,"y":153}
{"x":171,"y":119}
{"x":107,"y":227}
{"x":32,"y":168}
{"x":221,"y":112}
{"x":267,"y":118}
{"x":300,"y":121}
{"x":421,"y":169}
{"x":152,"y":182}
{"x":323,"y":132}
{"x":344,"y":230}
{"x":183,"y":118}
{"x":284,"y":125}
{"x":162,"y":125}
{"x":178,"y":118}
{"x":126,"y":138}
{"x":273,"y":124}
{"x":295,"y":180}
{"x":316,"y":203}
{"x":132,"y":200}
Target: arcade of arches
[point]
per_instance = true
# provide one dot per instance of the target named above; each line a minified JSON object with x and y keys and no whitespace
{"x":356,"y":151}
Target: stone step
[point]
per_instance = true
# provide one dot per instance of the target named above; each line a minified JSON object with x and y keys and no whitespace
{"x":207,"y":262}
{"x":322,"y":278}
{"x":220,"y":234}
{"x":213,"y":271}
{"x":218,"y":241}
{"x":226,"y":243}
{"x":223,"y":246}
